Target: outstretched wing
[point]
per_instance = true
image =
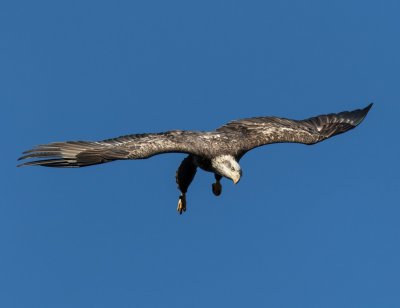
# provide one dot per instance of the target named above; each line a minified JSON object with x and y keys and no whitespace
{"x":255,"y":132}
{"x":138,"y":146}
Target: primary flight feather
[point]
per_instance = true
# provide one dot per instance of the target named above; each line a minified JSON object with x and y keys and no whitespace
{"x":218,"y":151}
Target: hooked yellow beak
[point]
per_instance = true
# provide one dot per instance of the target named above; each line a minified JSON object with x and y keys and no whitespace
{"x":236,"y":180}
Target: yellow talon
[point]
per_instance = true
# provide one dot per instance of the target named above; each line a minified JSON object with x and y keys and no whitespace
{"x":181,"y":204}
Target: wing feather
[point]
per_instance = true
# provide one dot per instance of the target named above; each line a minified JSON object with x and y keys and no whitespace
{"x":255,"y":132}
{"x":234,"y":138}
{"x":137,"y":146}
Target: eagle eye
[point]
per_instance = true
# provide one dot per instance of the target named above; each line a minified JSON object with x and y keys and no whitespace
{"x":232,"y":168}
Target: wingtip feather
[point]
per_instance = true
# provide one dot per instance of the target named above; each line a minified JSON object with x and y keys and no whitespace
{"x":364,"y":113}
{"x":367,"y":109}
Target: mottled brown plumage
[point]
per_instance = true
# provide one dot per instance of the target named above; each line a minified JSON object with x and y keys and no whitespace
{"x":218,"y":151}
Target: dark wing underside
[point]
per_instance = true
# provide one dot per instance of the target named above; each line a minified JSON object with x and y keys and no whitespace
{"x":138,"y":146}
{"x":255,"y":132}
{"x":235,"y":138}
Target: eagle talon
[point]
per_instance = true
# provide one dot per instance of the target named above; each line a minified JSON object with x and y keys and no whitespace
{"x":181,"y":204}
{"x":216,"y":188}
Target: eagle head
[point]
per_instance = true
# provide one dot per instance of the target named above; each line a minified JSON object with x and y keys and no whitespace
{"x":227,"y":166}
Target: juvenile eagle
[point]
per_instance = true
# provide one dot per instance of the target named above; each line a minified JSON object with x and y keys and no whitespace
{"x":217,"y":151}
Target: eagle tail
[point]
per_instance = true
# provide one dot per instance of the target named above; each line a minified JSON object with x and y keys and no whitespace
{"x":338,"y":123}
{"x":72,"y":154}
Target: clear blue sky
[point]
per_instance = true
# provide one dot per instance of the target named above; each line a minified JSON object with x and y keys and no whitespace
{"x":306,"y":227}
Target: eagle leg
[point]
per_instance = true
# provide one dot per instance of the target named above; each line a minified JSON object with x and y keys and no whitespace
{"x":184,"y":176}
{"x":181,"y":204}
{"x":217,"y":187}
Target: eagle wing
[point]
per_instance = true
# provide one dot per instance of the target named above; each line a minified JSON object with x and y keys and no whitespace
{"x":137,"y":146}
{"x":236,"y":137}
{"x":255,"y":132}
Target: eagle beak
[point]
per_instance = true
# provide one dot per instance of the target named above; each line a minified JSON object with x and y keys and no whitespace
{"x":236,"y":180}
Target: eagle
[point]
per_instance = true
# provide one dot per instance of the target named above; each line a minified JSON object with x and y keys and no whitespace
{"x":217,"y":151}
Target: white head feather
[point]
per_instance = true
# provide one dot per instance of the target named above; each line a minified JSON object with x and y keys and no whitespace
{"x":227,"y":166}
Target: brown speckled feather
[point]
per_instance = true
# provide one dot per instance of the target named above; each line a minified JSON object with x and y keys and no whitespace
{"x":234,"y":138}
{"x":250,"y":133}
